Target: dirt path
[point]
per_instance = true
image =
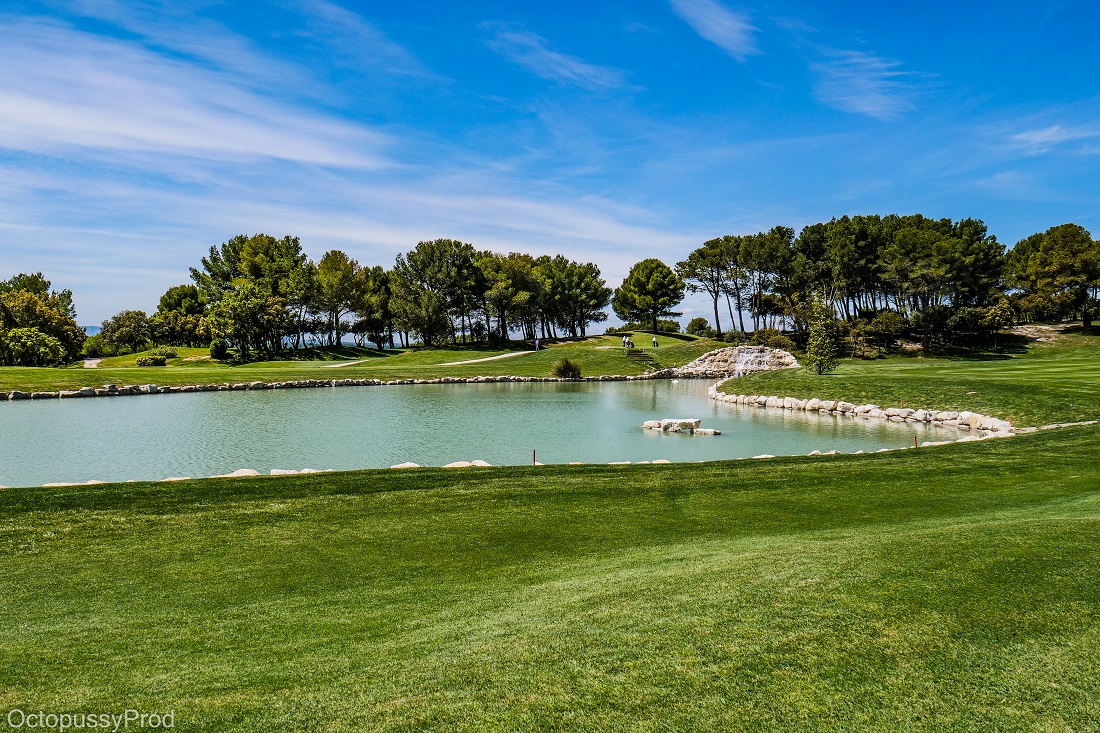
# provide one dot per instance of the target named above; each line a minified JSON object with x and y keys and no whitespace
{"x":91,"y":363}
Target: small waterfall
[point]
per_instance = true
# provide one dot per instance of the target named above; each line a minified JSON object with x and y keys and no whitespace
{"x":737,"y":361}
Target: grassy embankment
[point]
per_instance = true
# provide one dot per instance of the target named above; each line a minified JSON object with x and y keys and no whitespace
{"x":944,"y":589}
{"x":1055,"y":381}
{"x":596,"y":355}
{"x":951,"y":588}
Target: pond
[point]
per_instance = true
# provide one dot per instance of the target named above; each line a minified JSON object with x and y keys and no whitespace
{"x":202,"y":434}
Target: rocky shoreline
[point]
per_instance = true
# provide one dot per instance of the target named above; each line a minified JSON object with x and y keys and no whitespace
{"x":982,"y":426}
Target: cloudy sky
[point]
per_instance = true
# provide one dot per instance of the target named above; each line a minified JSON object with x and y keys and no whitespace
{"x":135,"y":135}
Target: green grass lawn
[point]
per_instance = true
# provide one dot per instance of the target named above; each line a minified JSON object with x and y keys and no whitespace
{"x":1044,"y":383}
{"x":596,"y":355}
{"x":954,"y":588}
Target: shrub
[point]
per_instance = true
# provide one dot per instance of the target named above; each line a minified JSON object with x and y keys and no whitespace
{"x":166,"y":351}
{"x":698,"y":326}
{"x":566,"y":369}
{"x":219,"y":349}
{"x":761,"y":336}
{"x":780,"y":342}
{"x":148,"y":360}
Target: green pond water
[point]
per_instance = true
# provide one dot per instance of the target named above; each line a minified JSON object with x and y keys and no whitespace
{"x":156,"y":436}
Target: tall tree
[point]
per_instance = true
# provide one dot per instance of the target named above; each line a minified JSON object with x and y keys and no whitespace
{"x":246,"y":315}
{"x":185,"y":299}
{"x":1062,"y":266}
{"x":373,"y":307}
{"x":651,"y":290}
{"x":429,"y":283}
{"x":705,"y":271}
{"x":338,"y":290}
{"x":128,"y":328}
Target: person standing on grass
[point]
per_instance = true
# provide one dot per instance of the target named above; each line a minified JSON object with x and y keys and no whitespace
{"x":536,"y":344}
{"x":655,"y":342}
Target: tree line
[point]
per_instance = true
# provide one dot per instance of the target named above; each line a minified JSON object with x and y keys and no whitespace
{"x":938,"y":280}
{"x":265,"y":296}
{"x":876,"y":278}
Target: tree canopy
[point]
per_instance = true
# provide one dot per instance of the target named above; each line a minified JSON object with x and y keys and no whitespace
{"x":650,"y":290}
{"x":37,"y":324}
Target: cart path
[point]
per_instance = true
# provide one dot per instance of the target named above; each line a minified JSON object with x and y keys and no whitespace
{"x":488,"y":358}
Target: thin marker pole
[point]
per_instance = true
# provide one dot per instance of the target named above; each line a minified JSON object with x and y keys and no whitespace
{"x":532,"y":456}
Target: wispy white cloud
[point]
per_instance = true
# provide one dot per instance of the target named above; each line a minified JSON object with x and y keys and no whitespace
{"x":533,"y":52}
{"x":730,"y":31}
{"x":176,"y":28}
{"x":862,"y":83}
{"x":350,"y":39}
{"x":62,"y":89}
{"x":102,"y":236}
{"x":1044,"y":140}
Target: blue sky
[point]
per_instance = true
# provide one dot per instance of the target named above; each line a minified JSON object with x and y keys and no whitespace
{"x":135,"y":135}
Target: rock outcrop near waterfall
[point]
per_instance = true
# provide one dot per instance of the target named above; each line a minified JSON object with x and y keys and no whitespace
{"x":736,"y":361}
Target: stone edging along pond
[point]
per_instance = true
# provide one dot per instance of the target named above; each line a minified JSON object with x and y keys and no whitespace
{"x":983,"y":426}
{"x":113,"y":390}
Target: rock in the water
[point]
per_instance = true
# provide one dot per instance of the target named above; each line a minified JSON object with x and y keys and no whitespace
{"x":677,"y":425}
{"x":458,"y":464}
{"x":706,"y":431}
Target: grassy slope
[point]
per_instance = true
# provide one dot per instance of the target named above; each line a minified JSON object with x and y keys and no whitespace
{"x":597,"y":355}
{"x":953,"y":588}
{"x":1048,"y":382}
